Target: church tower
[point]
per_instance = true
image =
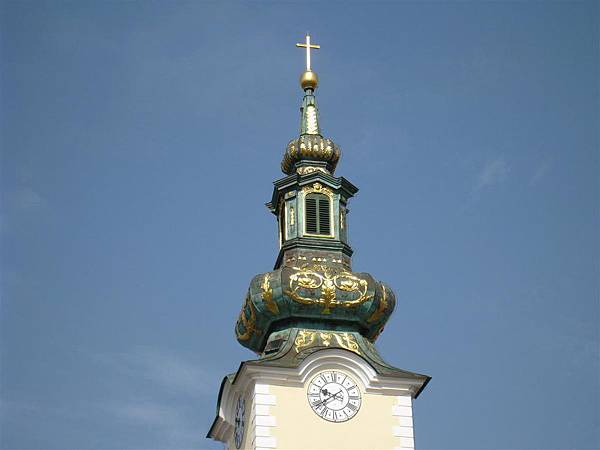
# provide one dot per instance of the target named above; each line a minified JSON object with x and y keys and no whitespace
{"x":318,"y":381}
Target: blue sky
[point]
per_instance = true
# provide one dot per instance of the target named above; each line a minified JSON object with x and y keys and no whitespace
{"x":139,"y":141}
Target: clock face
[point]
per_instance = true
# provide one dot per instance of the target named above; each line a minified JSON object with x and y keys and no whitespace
{"x":240,"y":411}
{"x":334,"y":396}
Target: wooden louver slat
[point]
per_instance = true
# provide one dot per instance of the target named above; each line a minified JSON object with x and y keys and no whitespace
{"x":317,"y":214}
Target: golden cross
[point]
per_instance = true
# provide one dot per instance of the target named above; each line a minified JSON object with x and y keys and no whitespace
{"x":308,"y":46}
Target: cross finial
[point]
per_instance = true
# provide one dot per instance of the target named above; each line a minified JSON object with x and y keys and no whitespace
{"x":308,"y":46}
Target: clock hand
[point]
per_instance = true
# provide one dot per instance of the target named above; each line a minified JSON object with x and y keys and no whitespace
{"x":322,"y":402}
{"x":330,"y":398}
{"x":335,"y":397}
{"x":326,"y":400}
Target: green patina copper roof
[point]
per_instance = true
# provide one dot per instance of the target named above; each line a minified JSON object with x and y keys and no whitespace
{"x":320,"y":295}
{"x":288,"y":348}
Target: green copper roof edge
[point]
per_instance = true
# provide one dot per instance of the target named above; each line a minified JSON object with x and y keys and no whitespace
{"x":367,"y":347}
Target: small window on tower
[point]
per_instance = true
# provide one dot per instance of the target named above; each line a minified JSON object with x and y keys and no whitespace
{"x":282,"y":227}
{"x":318,"y":215}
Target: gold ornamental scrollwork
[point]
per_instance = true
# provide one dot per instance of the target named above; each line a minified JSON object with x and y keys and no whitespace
{"x":310,"y":169}
{"x":308,"y":338}
{"x":249,"y":323}
{"x":318,"y":188}
{"x":304,"y":339}
{"x":347,"y":341}
{"x":329,"y":281}
{"x":383,"y":305}
{"x":325,"y":338}
{"x":267,"y":294}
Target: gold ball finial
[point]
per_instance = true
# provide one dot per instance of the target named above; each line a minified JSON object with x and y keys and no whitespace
{"x":309,"y":80}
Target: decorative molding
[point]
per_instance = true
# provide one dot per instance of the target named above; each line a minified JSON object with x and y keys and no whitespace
{"x":319,"y":189}
{"x":333,"y":358}
{"x":311,"y":169}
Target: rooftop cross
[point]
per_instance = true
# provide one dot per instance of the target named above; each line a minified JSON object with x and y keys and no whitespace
{"x":308,"y":46}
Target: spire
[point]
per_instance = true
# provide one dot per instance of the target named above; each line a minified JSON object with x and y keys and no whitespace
{"x":310,"y":149}
{"x":309,"y":114}
{"x":312,"y":285}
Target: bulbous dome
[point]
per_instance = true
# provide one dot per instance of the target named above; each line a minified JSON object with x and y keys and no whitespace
{"x":312,"y":147}
{"x":317,"y":295}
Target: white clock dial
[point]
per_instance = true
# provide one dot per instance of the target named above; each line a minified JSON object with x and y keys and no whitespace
{"x":334,"y":396}
{"x":240,"y":412}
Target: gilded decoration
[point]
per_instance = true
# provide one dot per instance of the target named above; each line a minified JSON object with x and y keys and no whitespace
{"x":267,"y":294}
{"x":307,"y":338}
{"x":312,"y":124}
{"x":383,"y":306}
{"x":318,"y":188}
{"x":249,"y":323}
{"x":310,"y":147}
{"x":328,"y":280}
{"x":304,"y":293}
{"x":304,"y":339}
{"x":310,"y":169}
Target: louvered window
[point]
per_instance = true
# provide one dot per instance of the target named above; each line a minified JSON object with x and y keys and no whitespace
{"x":318,"y":217}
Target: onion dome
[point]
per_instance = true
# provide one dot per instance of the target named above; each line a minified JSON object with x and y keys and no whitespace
{"x":310,"y":145}
{"x":323,"y":296}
